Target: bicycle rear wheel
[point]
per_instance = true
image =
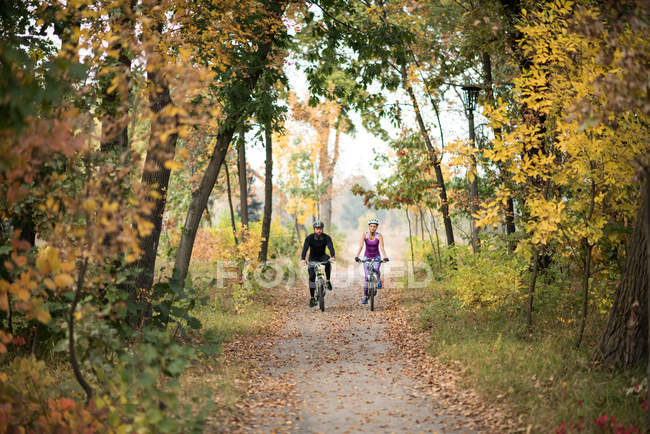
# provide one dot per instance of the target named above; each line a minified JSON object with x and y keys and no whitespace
{"x":321,"y":295}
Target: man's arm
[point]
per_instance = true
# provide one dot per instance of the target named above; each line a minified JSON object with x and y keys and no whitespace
{"x":330,"y":246}
{"x":304,"y":248}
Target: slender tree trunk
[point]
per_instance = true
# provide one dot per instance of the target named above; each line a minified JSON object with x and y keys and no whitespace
{"x":415,"y":226}
{"x":328,"y":178}
{"x":296,"y":226}
{"x":646,"y":204}
{"x":473,"y":186}
{"x":408,"y":219}
{"x":433,"y":156}
{"x":201,"y":196}
{"x":510,"y":218}
{"x":232,"y":212}
{"x":268,"y":194}
{"x":487,"y":84}
{"x":625,"y":340}
{"x":197,"y":206}
{"x":115,"y":100}
{"x":587,"y":264}
{"x":585,"y":289}
{"x":426,"y":226}
{"x":324,"y":205}
{"x":531,"y":287}
{"x":156,"y":177}
{"x":435,"y":229}
{"x":71,"y":349}
{"x":243,"y":180}
{"x":421,"y":216}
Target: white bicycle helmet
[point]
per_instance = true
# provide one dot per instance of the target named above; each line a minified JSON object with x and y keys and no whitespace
{"x":373,"y":220}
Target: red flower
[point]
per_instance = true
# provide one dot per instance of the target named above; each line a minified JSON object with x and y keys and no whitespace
{"x":602,"y":420}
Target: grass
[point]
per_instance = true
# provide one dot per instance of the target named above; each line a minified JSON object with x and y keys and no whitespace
{"x":539,"y":373}
{"x":230,"y":313}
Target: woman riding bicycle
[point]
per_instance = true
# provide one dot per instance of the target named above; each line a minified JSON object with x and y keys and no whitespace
{"x":374,"y":242}
{"x":316,"y":244}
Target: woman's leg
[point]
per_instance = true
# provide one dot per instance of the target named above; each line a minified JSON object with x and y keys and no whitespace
{"x":366,"y":270}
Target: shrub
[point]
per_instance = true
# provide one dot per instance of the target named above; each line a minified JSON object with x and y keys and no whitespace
{"x":494,"y":279}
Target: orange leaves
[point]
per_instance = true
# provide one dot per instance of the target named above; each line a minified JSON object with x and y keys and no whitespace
{"x":63,"y":280}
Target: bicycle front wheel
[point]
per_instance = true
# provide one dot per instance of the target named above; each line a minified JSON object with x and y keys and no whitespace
{"x":372,"y":290}
{"x":321,"y":295}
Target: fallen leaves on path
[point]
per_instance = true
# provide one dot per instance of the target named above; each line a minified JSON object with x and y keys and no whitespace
{"x":442,"y":382}
{"x":277,"y":397}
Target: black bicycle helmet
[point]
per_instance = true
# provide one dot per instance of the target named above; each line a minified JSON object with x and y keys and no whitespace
{"x":318,"y":224}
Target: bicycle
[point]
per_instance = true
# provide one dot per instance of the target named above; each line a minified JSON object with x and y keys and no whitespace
{"x":372,"y":278}
{"x":319,"y":268}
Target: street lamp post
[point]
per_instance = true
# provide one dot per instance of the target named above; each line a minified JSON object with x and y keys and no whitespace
{"x":471,"y":96}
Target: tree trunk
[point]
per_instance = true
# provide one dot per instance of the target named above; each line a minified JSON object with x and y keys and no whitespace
{"x":489,"y":92}
{"x":435,"y":229}
{"x":408,"y":219}
{"x":587,"y":267}
{"x":421,"y":216}
{"x":156,"y":176}
{"x":433,"y":156}
{"x":115,"y":100}
{"x":531,"y":287}
{"x":433,"y":246}
{"x":625,"y":340}
{"x":268,"y":194}
{"x":646,"y":205}
{"x":327,"y":166}
{"x":473,"y":186}
{"x":232,"y":212}
{"x":71,"y":348}
{"x":510,"y":218}
{"x":297,"y":226}
{"x":201,"y":196}
{"x":197,"y":206}
{"x":585,"y":290}
{"x":243,"y":180}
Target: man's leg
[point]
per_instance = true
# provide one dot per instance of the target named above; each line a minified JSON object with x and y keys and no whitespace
{"x":312,"y":286}
{"x":328,"y":273}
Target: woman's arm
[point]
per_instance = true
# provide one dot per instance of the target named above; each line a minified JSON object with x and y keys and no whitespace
{"x":363,"y":238}
{"x":381,"y":246}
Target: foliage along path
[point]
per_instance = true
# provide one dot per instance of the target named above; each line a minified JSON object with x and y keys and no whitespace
{"x":349,"y":370}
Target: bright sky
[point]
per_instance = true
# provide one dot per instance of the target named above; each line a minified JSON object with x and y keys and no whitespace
{"x":357,"y":151}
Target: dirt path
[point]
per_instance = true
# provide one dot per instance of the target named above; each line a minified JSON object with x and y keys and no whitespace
{"x":339,"y":371}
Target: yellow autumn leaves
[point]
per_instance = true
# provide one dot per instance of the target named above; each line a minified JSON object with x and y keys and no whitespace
{"x":575,"y":174}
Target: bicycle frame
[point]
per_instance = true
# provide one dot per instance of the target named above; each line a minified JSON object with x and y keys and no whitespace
{"x":372,"y":278}
{"x":319,"y":270}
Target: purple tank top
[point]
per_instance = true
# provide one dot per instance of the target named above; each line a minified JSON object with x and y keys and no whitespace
{"x":372,"y":246}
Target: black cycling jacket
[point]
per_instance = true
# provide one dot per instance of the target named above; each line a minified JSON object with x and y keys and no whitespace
{"x":317,"y":246}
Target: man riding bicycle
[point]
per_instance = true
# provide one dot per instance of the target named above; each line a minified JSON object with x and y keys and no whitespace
{"x":316,"y":243}
{"x":374,"y":242}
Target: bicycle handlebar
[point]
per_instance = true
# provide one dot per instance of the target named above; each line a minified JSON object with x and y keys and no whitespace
{"x":314,"y":263}
{"x":370,"y":260}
